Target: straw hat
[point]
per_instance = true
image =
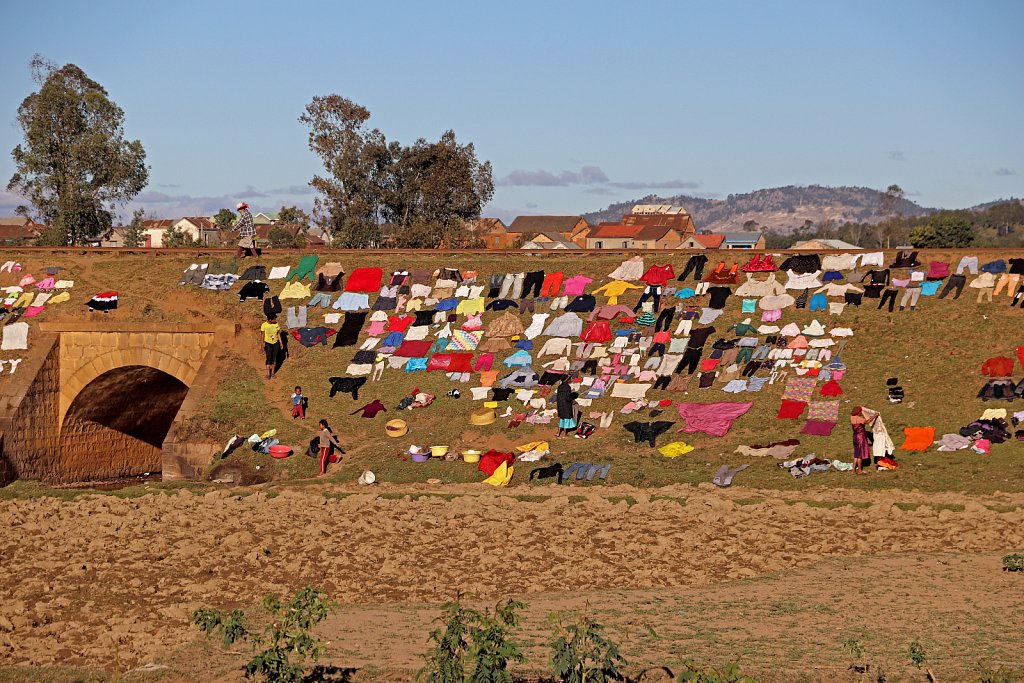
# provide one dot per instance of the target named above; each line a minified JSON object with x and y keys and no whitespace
{"x":367,"y":477}
{"x":482,"y":417}
{"x":396,"y":428}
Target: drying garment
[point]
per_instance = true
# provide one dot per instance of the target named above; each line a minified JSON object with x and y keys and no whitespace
{"x":364,"y":280}
{"x":1016,"y":266}
{"x":305,"y":269}
{"x":521,"y":378}
{"x":1008,"y":281}
{"x":348,"y":333}
{"x":322,"y":299}
{"x":664,"y":321}
{"x":371,"y":409}
{"x":647,"y":431}
{"x":754,"y":287}
{"x":613,"y":290}
{"x":278,"y":272}
{"x":104,"y":301}
{"x":414,"y":348}
{"x":775,"y":303}
{"x":331,"y":269}
{"x":630,"y":269}
{"x":326,"y":283}
{"x":552,"y":284}
{"x":998,"y":366}
{"x":929,"y":288}
{"x":968,"y":263}
{"x":220,"y":282}
{"x":508,"y":325}
{"x":853,"y":298}
{"x":658,"y":275}
{"x":650,"y":291}
{"x":803,"y":280}
{"x":536,"y":325}
{"x":311,"y":336}
{"x":888,"y":296}
{"x":834,"y":289}
{"x":518,"y":359}
{"x":294,"y":290}
{"x":346,"y":385}
{"x":839,"y":262}
{"x":818,"y":427}
{"x":610,"y":312}
{"x":597,"y":331}
{"x":46,"y":284}
{"x":712,"y":418}
{"x":351,"y":301}
{"x":873,"y":258}
{"x":818,"y":302}
{"x":905,"y":259}
{"x":272,"y":306}
{"x":695,"y":264}
{"x":719,"y":295}
{"x":556,"y":346}
{"x":495,"y":285}
{"x":501,"y":305}
{"x":253,"y":290}
{"x":15,"y":336}
{"x":194,"y":274}
{"x":938,"y":270}
{"x":878,"y":279}
{"x":296,"y":317}
{"x":910,"y":297}
{"x":634,"y":392}
{"x":576,"y":285}
{"x":802,"y":264}
{"x":831,"y":276}
{"x":532,"y":282}
{"x":565,"y":325}
{"x":470,"y":306}
{"x":512,"y":285}
{"x":584,"y":303}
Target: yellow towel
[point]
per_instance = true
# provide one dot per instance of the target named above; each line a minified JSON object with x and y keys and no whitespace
{"x":675,"y":449}
{"x":501,"y":477}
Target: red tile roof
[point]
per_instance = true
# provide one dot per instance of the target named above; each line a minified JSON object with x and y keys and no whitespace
{"x":544,"y":223}
{"x":613,"y":230}
{"x":711,"y":241}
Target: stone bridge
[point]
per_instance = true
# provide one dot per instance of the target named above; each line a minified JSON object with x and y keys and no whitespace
{"x":93,"y":401}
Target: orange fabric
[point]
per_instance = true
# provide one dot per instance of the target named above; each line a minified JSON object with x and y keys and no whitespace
{"x":487,"y":377}
{"x":918,"y":438}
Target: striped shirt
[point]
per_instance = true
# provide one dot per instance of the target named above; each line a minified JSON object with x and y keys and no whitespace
{"x":244,"y":225}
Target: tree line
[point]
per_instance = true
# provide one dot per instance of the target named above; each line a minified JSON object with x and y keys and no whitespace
{"x":75,"y":167}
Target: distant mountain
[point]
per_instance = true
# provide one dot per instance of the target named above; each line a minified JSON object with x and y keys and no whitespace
{"x":780,"y":208}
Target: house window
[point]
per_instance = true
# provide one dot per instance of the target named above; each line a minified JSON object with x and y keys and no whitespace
{"x":599,"y":244}
{"x":625,"y":245}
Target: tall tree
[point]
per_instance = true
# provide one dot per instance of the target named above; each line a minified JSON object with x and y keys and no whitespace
{"x":75,"y":164}
{"x":944,"y":230}
{"x":892,"y":217}
{"x":135,"y":232}
{"x":224,"y":219}
{"x":293,"y":214}
{"x":420,"y":195}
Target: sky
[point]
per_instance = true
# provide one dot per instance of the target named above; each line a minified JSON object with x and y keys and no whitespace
{"x":577,"y":104}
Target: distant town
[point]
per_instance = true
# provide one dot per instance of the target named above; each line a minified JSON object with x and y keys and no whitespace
{"x":646,"y":226}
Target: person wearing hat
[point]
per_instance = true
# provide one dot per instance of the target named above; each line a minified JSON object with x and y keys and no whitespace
{"x":246,"y":232}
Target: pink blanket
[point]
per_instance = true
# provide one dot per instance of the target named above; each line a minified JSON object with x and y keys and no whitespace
{"x":713,"y":418}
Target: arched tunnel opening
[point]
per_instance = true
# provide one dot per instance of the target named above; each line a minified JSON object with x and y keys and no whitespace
{"x":116,"y":425}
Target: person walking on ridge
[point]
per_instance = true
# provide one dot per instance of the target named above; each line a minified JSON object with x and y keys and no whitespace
{"x":246,"y":232}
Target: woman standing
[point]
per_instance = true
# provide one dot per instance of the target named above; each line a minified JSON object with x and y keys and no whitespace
{"x":861,"y":447}
{"x":327,"y":439}
{"x":565,"y":403}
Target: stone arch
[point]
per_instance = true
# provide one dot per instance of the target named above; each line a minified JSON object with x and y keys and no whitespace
{"x":114,"y":359}
{"x":115,"y":426}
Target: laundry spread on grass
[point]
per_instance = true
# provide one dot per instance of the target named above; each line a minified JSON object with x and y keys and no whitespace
{"x":648,"y":341}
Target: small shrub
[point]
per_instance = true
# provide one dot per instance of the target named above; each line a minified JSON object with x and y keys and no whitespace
{"x":287,"y":634}
{"x":581,"y":654}
{"x":728,"y":674}
{"x":480,"y":639}
{"x":916,"y":654}
{"x":1000,"y":675}
{"x":1013,"y":563}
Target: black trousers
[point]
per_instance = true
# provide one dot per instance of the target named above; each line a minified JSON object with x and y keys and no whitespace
{"x":1018,"y":298}
{"x":890,"y":296}
{"x":662,"y":382}
{"x":590,"y":366}
{"x":649,"y":292}
{"x":696,"y":265}
{"x":750,"y":368}
{"x":656,"y":350}
{"x":665,"y":319}
{"x":954,"y":282}
{"x":533,"y":280}
{"x":690,"y":360}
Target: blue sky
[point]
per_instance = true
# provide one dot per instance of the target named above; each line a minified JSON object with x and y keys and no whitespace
{"x":576,"y":104}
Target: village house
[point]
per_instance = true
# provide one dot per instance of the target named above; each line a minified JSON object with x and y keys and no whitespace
{"x":571,"y":228}
{"x":612,"y":236}
{"x":819,"y":244}
{"x":18,"y":230}
{"x":743,"y":240}
{"x":199,"y":228}
{"x":493,"y":233}
{"x":703,"y":240}
{"x":547,"y":240}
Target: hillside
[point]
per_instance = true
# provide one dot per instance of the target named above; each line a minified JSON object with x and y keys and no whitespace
{"x":783,"y":209}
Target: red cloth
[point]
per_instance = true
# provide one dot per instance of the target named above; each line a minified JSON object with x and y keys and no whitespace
{"x":712,"y":418}
{"x":831,"y":388}
{"x":791,"y":410}
{"x":664,"y":403}
{"x":818,"y":428}
{"x":1020,"y":355}
{"x":492,"y":459}
{"x":938,"y":269}
{"x":597,"y":331}
{"x":658,"y":275}
{"x":364,"y":280}
{"x":709,"y":364}
{"x":451,"y":362}
{"x":999,"y":366}
{"x":400,"y":323}
{"x":416,"y":348}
